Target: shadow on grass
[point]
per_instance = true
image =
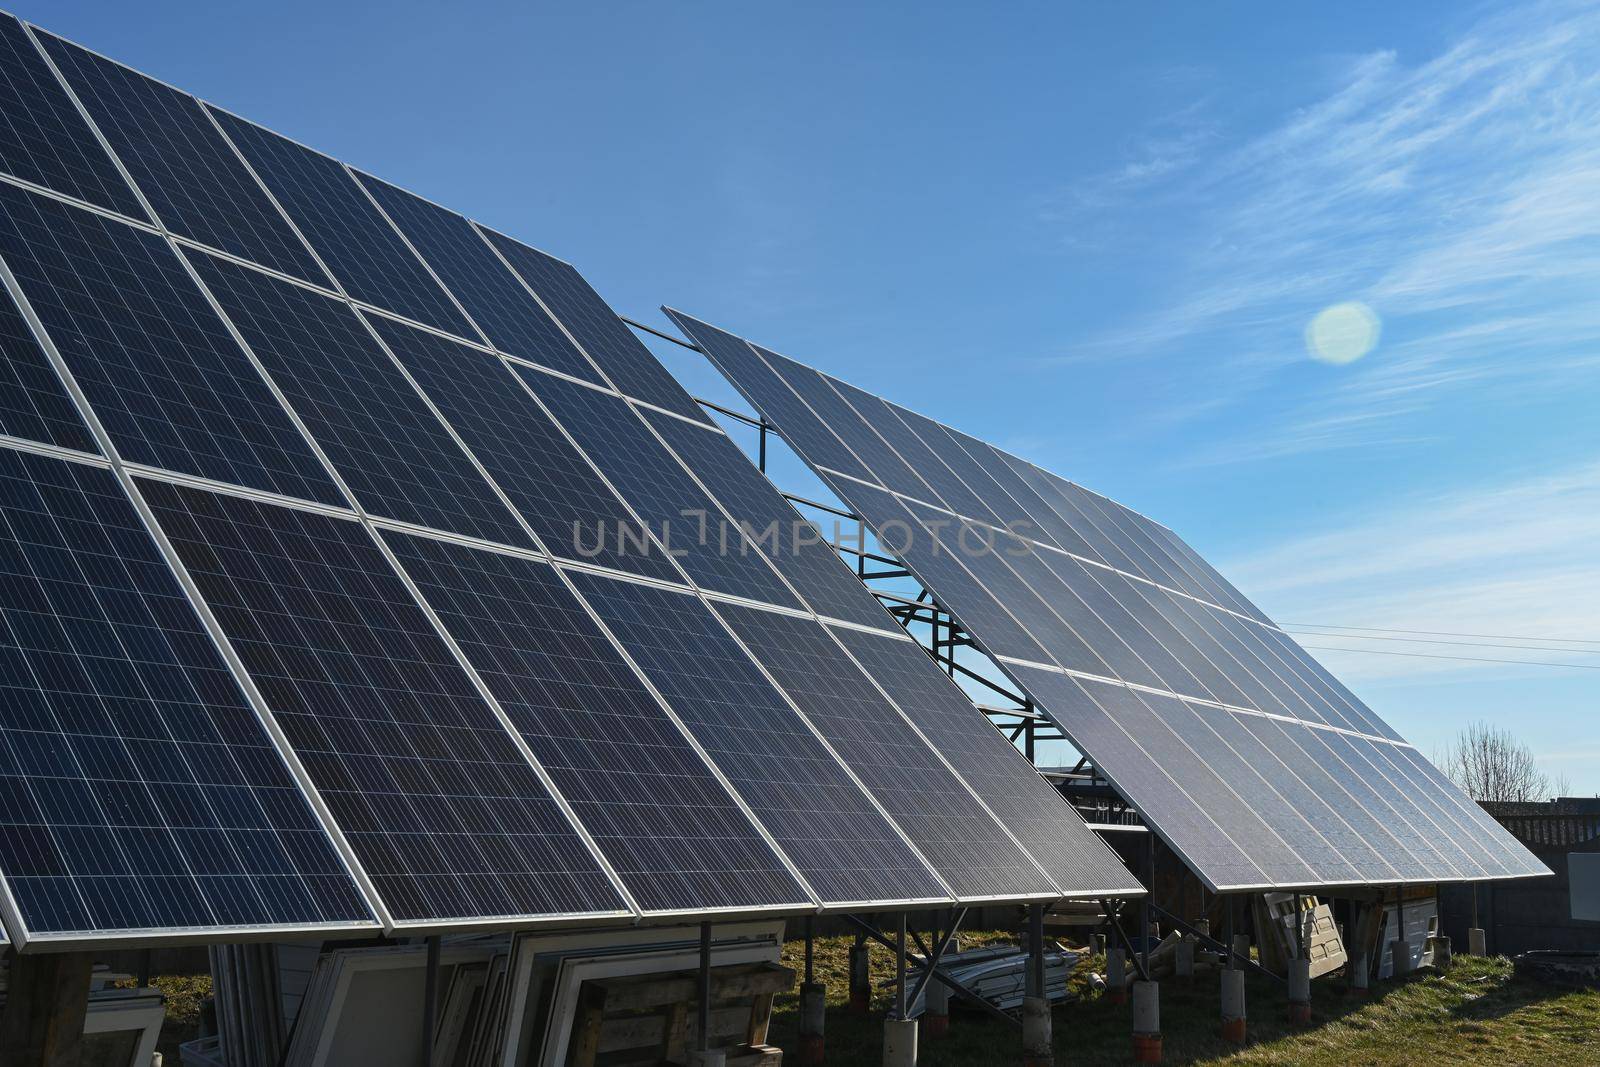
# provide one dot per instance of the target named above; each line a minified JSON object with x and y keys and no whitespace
{"x":1477,"y":1011}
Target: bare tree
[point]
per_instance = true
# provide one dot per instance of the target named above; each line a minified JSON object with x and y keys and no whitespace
{"x":1490,"y":764}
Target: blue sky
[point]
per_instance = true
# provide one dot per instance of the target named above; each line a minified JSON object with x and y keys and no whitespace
{"x":1093,"y":233}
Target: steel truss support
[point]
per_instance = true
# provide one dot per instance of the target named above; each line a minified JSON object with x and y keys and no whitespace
{"x":1226,"y":950}
{"x":928,"y":967}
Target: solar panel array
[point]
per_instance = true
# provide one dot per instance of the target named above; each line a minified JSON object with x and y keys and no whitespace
{"x":363,"y":571}
{"x":1237,"y":747}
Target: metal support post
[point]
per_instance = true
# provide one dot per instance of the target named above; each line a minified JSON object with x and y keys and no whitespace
{"x":1144,"y":901}
{"x":813,"y":1004}
{"x":899,"y":1032}
{"x":430,"y":1001}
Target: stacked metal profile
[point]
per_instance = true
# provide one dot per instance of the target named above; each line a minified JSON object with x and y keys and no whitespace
{"x":1237,"y":747}
{"x":337,"y":591}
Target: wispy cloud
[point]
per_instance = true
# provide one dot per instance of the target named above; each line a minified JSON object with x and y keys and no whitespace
{"x":1464,"y":184}
{"x":1513,"y":559}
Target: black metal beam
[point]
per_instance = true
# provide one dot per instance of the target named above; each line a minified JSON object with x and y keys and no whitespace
{"x":691,"y":346}
{"x":1226,"y":950}
{"x":867,"y":930}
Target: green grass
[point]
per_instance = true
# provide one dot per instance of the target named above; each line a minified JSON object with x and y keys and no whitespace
{"x":1478,"y":1012}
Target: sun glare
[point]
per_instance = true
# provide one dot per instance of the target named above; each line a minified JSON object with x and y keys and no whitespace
{"x":1342,"y":333}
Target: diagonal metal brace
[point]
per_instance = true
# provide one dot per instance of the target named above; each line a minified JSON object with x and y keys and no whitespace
{"x":867,"y":930}
{"x":1134,"y":957}
{"x":1226,"y":950}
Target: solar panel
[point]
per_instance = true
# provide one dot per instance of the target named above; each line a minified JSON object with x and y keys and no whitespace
{"x":33,"y":402}
{"x":947,"y":823}
{"x":367,"y":257}
{"x":504,"y":310}
{"x":1035,"y":813}
{"x":140,"y":791}
{"x":166,"y":379}
{"x":626,"y":362}
{"x":714,"y":551}
{"x":779,"y":531}
{"x":546,"y":478}
{"x":1237,"y":732}
{"x":182,"y":165}
{"x":43,"y":137}
{"x":841,"y":843}
{"x":446,"y":815}
{"x":395,"y":455}
{"x":670,"y":830}
{"x":752,"y":377}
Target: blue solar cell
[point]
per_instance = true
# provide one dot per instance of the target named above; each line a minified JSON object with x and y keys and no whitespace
{"x":944,"y":820}
{"x":903,"y":535}
{"x":138,"y":790}
{"x":43,"y":137}
{"x":963,"y":485}
{"x":749,"y":373}
{"x":668,"y":827}
{"x":395,"y":455}
{"x":710,"y":547}
{"x":841,"y":843}
{"x":442,"y":809}
{"x":546,"y":478}
{"x":1040,"y":818}
{"x":1049,"y":527}
{"x":183,"y":166}
{"x":33,"y":402}
{"x":1220,"y":858}
{"x":607,"y":340}
{"x":822,"y":578}
{"x":167,"y":380}
{"x":498,"y":302}
{"x":367,"y":257}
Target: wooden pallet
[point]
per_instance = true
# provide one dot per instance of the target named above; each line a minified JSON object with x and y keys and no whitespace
{"x":651,"y":1019}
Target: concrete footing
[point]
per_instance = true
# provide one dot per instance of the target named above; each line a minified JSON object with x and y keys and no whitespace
{"x":1183,"y":960}
{"x":1300,"y":991}
{"x":1146,"y":1022}
{"x":1442,"y":952}
{"x":936,"y":1009}
{"x":813,"y":1010}
{"x":1358,"y":975}
{"x":1400,"y":957}
{"x":860,"y":981}
{"x":899,"y":1043}
{"x":1477,"y":943}
{"x":1117,"y":975}
{"x":713,"y":1057}
{"x":1038,"y":1038}
{"x":1233,"y":1006}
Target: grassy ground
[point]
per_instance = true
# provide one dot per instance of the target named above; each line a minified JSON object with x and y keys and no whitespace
{"x":1478,"y":1012}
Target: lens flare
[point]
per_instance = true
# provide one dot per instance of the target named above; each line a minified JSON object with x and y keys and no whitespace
{"x":1343,"y":333}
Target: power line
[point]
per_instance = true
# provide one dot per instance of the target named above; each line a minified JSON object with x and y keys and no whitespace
{"x":1445,"y":633}
{"x":1438,"y":641}
{"x":1464,"y":659}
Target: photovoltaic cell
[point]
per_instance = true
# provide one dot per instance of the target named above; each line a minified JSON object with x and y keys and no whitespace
{"x":962,"y":595}
{"x":184,"y":167}
{"x":367,"y":257}
{"x":949,"y":826}
{"x":815,"y":569}
{"x":668,"y":827}
{"x":606,"y":338}
{"x":43,"y":137}
{"x":138,"y":790}
{"x":500,"y":304}
{"x":843,"y":846}
{"x":1042,"y":821}
{"x":170,"y":384}
{"x":33,"y":402}
{"x":713,"y":551}
{"x":1295,"y":798}
{"x":556,"y":490}
{"x":444,"y":812}
{"x":395,"y":455}
{"x":761,"y":385}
